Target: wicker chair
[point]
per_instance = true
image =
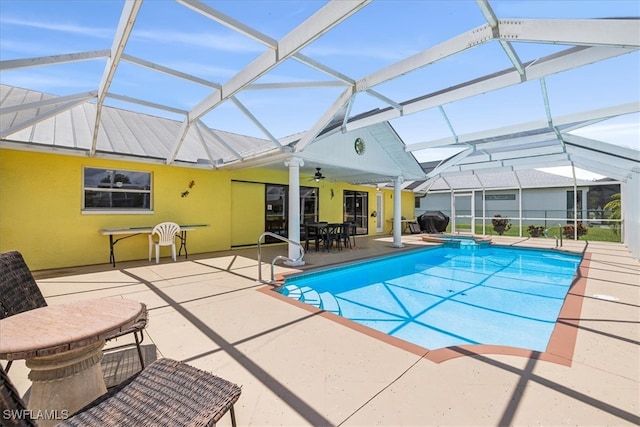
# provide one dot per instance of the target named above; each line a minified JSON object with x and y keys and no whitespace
{"x":19,"y":292}
{"x":166,"y":393}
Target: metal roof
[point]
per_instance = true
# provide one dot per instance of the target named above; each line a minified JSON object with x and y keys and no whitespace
{"x":57,"y":124}
{"x":531,"y":52}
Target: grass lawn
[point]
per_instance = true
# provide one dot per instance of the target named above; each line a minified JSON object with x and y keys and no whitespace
{"x":594,"y":234}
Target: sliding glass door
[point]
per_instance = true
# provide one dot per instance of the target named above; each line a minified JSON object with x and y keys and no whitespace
{"x":277,"y":208}
{"x":356,"y":209}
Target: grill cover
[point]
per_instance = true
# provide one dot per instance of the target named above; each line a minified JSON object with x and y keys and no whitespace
{"x":433,"y":222}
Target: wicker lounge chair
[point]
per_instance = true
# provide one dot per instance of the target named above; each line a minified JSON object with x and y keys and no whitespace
{"x":19,"y":292}
{"x":166,"y":393}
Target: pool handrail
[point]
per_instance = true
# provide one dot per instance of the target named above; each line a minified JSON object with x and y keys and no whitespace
{"x":559,"y":232}
{"x":278,"y":257}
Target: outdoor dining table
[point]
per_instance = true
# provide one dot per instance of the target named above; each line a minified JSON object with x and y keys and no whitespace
{"x":323,"y":233}
{"x":316,"y":232}
{"x":62,"y":345}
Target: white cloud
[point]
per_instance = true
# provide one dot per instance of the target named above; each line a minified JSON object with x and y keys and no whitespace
{"x":25,"y":48}
{"x":89,"y":31}
{"x":205,"y":40}
{"x":376,"y":52}
{"x":203,"y":70}
{"x":49,"y":84}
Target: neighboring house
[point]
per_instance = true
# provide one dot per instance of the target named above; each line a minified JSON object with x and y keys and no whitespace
{"x":536,"y":197}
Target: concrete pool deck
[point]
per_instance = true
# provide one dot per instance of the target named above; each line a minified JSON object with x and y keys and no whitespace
{"x":299,"y":368}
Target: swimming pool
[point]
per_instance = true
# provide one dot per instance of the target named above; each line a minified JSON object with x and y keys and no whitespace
{"x":442,"y":297}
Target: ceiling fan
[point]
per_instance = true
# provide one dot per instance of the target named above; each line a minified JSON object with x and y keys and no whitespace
{"x":317,"y":177}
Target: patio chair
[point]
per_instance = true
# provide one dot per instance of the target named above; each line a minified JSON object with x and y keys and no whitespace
{"x":166,"y":393}
{"x":316,"y":233}
{"x":349,"y":234}
{"x":19,"y":292}
{"x":334,"y":236}
{"x":166,"y":233}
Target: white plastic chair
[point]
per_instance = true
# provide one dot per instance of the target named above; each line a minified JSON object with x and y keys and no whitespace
{"x":166,"y":232}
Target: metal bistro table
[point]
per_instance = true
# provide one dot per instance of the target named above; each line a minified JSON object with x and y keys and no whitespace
{"x":62,"y":345}
{"x":127,"y":232}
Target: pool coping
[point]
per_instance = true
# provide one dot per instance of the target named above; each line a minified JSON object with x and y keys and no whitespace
{"x":560,"y":348}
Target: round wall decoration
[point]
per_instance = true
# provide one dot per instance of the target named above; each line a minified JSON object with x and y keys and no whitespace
{"x":359,"y":146}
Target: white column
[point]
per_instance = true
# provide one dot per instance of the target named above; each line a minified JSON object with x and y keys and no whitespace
{"x":294,"y":165}
{"x":397,"y":213}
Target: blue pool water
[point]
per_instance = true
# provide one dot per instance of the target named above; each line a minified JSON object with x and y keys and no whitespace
{"x":444,"y":296}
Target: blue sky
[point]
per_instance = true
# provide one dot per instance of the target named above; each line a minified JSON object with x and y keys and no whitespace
{"x":379,"y":35}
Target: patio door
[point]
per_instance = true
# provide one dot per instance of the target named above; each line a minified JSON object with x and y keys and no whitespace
{"x":380,"y":212}
{"x":462,"y":210}
{"x":356,"y":209}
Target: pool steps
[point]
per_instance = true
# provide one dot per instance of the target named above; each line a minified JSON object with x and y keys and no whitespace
{"x":324,"y":301}
{"x":458,"y":242}
{"x":330,"y":303}
{"x":461,"y":244}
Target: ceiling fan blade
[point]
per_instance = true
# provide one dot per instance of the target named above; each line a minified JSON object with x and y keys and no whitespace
{"x":318,"y":175}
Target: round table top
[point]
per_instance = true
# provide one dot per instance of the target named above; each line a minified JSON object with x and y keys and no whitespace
{"x":58,"y":328}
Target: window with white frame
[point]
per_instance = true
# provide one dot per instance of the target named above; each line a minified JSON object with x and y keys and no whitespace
{"x":116,"y":190}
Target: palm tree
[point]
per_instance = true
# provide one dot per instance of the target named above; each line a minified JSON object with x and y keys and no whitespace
{"x":615,"y":207}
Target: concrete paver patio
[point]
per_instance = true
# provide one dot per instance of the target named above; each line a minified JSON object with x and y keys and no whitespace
{"x":297,"y":367}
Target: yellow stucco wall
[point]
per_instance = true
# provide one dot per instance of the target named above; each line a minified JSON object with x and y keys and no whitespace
{"x":41,"y":207}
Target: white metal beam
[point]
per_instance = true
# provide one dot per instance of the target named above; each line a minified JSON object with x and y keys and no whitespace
{"x":493,"y":167}
{"x":273,"y":44}
{"x":542,"y":164}
{"x":596,"y":166}
{"x":169,"y":71}
{"x":549,"y":158}
{"x":255,"y":121}
{"x":453,"y":161}
{"x":578,"y":32}
{"x":294,"y":85}
{"x":219,"y":140}
{"x":343,"y":78}
{"x":597,"y":114}
{"x":40,"y":117}
{"x":125,"y":25}
{"x":527,"y":152}
{"x":85,"y":96}
{"x":14,"y":64}
{"x":492,"y":20}
{"x":621,"y":163}
{"x":228,"y":22}
{"x":205,"y":147}
{"x":320,"y":124}
{"x":502,"y":165}
{"x":563,"y":61}
{"x":429,"y":56}
{"x":535,"y":126}
{"x":600,"y":147}
{"x":319,"y":23}
{"x":146,"y":103}
{"x":312,"y":63}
